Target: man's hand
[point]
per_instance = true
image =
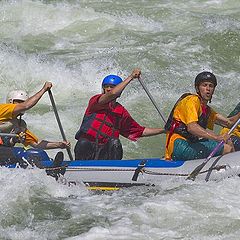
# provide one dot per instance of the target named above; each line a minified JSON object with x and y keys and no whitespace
{"x":20,"y":138}
{"x":136,"y":73}
{"x":47,"y":86}
{"x":224,"y":137}
{"x":64,"y":144}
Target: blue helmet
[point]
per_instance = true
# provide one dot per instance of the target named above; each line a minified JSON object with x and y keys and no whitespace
{"x":111,"y":79}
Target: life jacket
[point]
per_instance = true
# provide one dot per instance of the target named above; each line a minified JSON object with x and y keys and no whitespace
{"x":19,"y":125}
{"x":96,"y":125}
{"x":175,"y":126}
{"x":6,"y":127}
{"x":13,"y":126}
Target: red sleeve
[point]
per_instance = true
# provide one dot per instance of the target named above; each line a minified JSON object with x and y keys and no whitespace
{"x":130,"y":128}
{"x":94,"y":106}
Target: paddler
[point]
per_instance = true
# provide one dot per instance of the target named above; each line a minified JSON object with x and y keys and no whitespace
{"x":105,"y":119}
{"x":11,"y":121}
{"x":190,"y":124}
{"x":235,"y":135}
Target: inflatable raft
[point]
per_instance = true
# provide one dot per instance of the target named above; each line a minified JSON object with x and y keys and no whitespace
{"x":114,"y":174}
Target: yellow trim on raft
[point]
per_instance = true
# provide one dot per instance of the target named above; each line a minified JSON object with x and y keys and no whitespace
{"x":103,"y":188}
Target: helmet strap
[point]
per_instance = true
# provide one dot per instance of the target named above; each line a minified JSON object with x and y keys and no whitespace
{"x":210,"y":100}
{"x":197,"y":91}
{"x":199,"y":94}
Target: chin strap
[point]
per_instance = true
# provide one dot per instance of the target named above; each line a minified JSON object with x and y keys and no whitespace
{"x":198,"y":93}
{"x":20,"y":120}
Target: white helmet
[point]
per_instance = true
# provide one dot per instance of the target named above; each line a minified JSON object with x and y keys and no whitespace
{"x":16,"y":95}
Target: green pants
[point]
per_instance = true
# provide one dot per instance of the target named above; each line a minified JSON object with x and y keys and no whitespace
{"x":185,"y":150}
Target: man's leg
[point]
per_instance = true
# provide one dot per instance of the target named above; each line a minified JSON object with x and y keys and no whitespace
{"x":7,"y":157}
{"x":112,"y":150}
{"x":84,"y":149}
{"x":228,"y":147}
{"x":184,"y":150}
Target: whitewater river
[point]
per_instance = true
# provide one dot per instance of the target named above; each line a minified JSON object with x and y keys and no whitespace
{"x":74,"y":44}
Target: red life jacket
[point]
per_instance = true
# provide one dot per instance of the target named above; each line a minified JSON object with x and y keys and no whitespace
{"x":175,"y":126}
{"x":1,"y":141}
{"x":99,"y":127}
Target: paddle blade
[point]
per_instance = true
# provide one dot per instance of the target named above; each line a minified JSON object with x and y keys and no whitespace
{"x":195,"y":172}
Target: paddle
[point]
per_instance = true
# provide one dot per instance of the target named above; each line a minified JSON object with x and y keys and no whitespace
{"x":212,"y":167}
{"x":152,"y":100}
{"x":8,"y":134}
{"x":59,"y":122}
{"x":197,"y":170}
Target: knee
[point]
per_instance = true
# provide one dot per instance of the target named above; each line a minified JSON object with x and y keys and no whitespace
{"x":83,"y":149}
{"x":228,"y":148}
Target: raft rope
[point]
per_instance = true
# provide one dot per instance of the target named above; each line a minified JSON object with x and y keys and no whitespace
{"x":217,"y":168}
{"x":143,"y":170}
{"x":212,"y":166}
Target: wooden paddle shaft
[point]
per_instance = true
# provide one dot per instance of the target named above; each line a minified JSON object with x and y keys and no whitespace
{"x":152,"y":99}
{"x":59,"y":122}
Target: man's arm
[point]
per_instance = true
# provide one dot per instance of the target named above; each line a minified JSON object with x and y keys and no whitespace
{"x":44,"y":144}
{"x":226,"y":122}
{"x":234,"y":118}
{"x":30,"y":102}
{"x":116,"y":91}
{"x":195,"y":129}
{"x":152,"y":132}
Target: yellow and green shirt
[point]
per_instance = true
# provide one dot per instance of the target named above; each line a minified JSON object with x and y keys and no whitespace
{"x":188,"y":110}
{"x":6,"y":114}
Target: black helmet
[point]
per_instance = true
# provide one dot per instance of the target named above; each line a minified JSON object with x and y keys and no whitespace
{"x":205,"y":76}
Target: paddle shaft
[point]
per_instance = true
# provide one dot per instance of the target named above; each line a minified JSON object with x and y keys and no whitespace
{"x":8,"y":134}
{"x":152,"y":99}
{"x":58,"y":121}
{"x":222,"y":142}
{"x":197,"y":170}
